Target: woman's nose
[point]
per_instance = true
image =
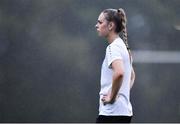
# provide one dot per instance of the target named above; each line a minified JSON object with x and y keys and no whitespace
{"x":96,"y":26}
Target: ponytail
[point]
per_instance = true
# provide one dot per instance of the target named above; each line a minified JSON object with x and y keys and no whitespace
{"x":122,"y":14}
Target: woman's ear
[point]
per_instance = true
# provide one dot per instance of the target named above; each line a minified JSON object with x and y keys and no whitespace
{"x":110,"y":26}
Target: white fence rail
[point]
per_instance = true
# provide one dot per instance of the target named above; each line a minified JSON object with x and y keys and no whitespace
{"x":141,"y":56}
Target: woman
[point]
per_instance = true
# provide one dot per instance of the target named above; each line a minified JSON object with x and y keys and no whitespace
{"x":117,"y":74}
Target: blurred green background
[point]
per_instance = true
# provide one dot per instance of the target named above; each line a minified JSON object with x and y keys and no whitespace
{"x":50,"y":59}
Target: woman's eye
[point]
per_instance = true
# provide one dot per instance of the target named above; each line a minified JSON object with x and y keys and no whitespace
{"x":99,"y":22}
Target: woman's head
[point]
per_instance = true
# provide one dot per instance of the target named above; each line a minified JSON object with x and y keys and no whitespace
{"x":112,"y":20}
{"x":114,"y":16}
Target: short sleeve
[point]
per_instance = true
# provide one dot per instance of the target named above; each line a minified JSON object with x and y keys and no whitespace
{"x":113,"y":52}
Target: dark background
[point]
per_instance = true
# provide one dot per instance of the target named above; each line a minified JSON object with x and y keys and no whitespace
{"x":50,"y":59}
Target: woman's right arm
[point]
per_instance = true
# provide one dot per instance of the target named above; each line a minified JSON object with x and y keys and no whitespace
{"x":132,"y":78}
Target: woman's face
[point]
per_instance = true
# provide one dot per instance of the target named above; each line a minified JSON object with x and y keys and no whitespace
{"x":102,"y":26}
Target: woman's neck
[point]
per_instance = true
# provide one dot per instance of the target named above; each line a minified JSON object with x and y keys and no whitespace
{"x":112,"y":37}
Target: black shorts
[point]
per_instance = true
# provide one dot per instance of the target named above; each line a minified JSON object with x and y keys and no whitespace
{"x":113,"y":119}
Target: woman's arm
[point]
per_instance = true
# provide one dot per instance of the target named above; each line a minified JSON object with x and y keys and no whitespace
{"x":118,"y":72}
{"x":132,"y":78}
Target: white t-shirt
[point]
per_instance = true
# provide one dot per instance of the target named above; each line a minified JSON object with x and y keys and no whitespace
{"x":121,"y":106}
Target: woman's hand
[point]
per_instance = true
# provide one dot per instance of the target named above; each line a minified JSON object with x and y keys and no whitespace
{"x":106,"y":99}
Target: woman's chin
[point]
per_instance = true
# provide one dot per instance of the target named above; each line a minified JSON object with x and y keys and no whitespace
{"x":100,"y":35}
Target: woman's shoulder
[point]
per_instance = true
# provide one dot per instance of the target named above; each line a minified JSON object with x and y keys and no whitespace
{"x":117,"y":43}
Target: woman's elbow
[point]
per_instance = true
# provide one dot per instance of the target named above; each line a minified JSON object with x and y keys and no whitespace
{"x":119,"y":74}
